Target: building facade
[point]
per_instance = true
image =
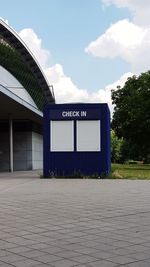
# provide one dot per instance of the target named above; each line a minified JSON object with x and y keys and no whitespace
{"x":24,"y":91}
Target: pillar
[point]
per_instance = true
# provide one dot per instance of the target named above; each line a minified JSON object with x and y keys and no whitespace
{"x":11,"y":167}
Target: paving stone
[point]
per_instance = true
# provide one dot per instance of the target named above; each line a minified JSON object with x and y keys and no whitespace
{"x":103,"y":255}
{"x":64,"y":263}
{"x":102,"y":263}
{"x":3,"y":264}
{"x":141,"y":255}
{"x":26,"y":263}
{"x":19,"y":249}
{"x":122,"y":260}
{"x":12,"y":258}
{"x":68,"y":254}
{"x":138,"y":264}
{"x":32,"y":253}
{"x":76,"y":222}
{"x":84,"y":259}
{"x":48,"y":258}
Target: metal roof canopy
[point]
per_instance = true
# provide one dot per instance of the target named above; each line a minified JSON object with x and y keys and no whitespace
{"x":11,"y":37}
{"x":19,"y":109}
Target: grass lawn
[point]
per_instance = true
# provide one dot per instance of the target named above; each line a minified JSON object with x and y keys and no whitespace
{"x":130,"y":171}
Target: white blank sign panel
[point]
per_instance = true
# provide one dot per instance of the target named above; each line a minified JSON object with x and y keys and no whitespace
{"x":62,"y":137}
{"x":88,"y":135}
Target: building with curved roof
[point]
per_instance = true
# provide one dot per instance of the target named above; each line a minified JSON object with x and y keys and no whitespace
{"x":24,"y":91}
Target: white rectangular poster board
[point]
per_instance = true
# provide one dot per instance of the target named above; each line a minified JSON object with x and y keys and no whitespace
{"x":62,"y":136}
{"x":88,"y":135}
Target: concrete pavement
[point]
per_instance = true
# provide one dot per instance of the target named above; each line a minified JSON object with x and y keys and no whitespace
{"x":65,"y":223}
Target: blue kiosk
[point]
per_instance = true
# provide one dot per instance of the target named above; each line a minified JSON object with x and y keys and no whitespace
{"x":76,"y":140}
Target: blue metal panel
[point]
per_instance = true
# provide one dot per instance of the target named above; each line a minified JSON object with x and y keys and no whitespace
{"x":74,"y":163}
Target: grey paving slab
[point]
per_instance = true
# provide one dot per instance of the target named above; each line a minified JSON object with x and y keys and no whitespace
{"x":64,"y":263}
{"x":138,"y":264}
{"x":50,"y":222}
{"x":102,"y":263}
{"x":3,"y":264}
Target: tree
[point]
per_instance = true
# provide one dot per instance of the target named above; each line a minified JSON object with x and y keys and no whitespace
{"x":119,"y":149}
{"x":116,"y":144}
{"x":131,"y":119}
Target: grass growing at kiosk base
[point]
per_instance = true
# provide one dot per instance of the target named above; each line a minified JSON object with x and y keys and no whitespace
{"x":118,"y":171}
{"x":130,"y":171}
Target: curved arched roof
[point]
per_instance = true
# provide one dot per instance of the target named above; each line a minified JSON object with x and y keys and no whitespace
{"x":7,"y":80}
{"x":12,"y":45}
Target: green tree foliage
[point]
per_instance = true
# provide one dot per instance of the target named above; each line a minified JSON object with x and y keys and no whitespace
{"x":131,"y":119}
{"x":116,"y":144}
{"x":119,"y":149}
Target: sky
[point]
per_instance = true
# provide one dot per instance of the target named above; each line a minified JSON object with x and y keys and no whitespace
{"x":85,"y":47}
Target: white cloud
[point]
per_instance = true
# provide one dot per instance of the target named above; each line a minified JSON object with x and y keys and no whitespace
{"x":66,"y":91}
{"x":128,"y":3}
{"x":140,"y":9}
{"x":64,"y":88}
{"x":34,"y":43}
{"x":126,"y":40}
{"x":120,"y":82}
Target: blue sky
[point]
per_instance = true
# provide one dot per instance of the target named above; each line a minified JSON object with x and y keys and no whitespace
{"x":66,"y":28}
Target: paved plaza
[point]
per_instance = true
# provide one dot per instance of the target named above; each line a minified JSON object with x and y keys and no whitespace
{"x":76,"y":222}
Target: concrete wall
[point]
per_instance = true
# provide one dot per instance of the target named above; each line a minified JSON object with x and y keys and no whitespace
{"x":27,"y":147}
{"x":22,"y":151}
{"x":28,"y":151}
{"x":4,"y":151}
{"x":37,"y":151}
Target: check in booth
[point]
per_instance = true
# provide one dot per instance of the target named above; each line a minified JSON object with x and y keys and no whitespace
{"x":76,"y":140}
